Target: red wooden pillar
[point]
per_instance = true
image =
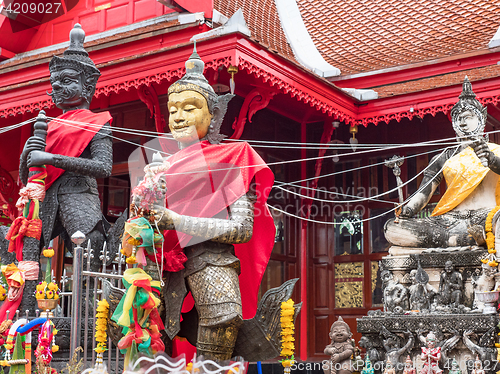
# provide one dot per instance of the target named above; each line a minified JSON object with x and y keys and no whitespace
{"x":303,"y":253}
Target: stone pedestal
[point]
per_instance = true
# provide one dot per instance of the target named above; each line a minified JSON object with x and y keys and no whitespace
{"x":444,"y":324}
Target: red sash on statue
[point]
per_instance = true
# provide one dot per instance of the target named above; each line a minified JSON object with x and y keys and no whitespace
{"x":202,"y":181}
{"x":71,"y":139}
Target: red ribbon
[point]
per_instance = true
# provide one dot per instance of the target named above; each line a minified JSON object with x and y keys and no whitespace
{"x":20,"y":228}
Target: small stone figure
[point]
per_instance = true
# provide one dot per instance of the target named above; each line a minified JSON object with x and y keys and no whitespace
{"x":368,"y":369}
{"x":374,"y":355}
{"x":395,"y":294}
{"x":431,"y":356}
{"x":389,"y":369}
{"x":340,"y":349}
{"x":393,"y":347}
{"x":485,"y":282}
{"x":455,"y":369}
{"x":485,"y":349}
{"x":409,"y":368}
{"x":421,"y":292}
{"x":450,"y":286}
{"x":478,"y":367}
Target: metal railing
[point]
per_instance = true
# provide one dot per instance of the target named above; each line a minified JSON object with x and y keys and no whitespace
{"x":86,"y":291}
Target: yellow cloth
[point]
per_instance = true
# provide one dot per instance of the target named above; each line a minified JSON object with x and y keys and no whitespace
{"x":463,"y":173}
{"x":131,"y":275}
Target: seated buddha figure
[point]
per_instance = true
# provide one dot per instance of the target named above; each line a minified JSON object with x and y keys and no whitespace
{"x":471,"y":170}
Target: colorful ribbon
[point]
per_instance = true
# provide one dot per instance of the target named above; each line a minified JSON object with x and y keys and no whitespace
{"x":20,"y":228}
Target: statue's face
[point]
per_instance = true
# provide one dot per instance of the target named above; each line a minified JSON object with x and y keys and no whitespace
{"x":448,"y":267}
{"x":431,"y":343}
{"x":364,"y":342}
{"x":67,"y":88}
{"x":467,"y":122}
{"x":189,"y":116}
{"x":339,"y":334}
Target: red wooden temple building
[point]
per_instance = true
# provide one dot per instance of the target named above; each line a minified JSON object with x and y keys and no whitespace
{"x":311,"y":77}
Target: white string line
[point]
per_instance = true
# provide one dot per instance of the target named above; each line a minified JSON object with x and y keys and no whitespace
{"x":365,"y":219}
{"x":318,"y":145}
{"x":349,"y":170}
{"x":374,"y":197}
{"x":17,"y":125}
{"x":114,"y":137}
{"x":263,"y":164}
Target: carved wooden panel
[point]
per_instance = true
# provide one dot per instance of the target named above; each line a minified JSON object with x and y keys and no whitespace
{"x":349,"y":278}
{"x":322,"y":329}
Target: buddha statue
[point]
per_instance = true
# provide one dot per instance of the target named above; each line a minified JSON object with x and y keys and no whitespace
{"x":215,"y":221}
{"x":471,"y":170}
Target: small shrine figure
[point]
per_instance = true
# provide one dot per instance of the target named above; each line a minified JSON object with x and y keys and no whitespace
{"x":389,"y":369}
{"x":450,"y":286}
{"x":368,"y":369}
{"x":431,"y":356}
{"x":409,"y":368}
{"x":340,"y":349}
{"x":478,"y":367}
{"x":455,"y":369}
{"x":395,"y":294}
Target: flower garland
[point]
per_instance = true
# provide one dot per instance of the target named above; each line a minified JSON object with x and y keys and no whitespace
{"x":287,"y":339}
{"x":100,"y":329}
{"x":490,"y":238}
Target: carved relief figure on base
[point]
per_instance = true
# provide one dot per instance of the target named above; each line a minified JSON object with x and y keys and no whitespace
{"x":421,"y":292}
{"x":340,"y":349}
{"x":484,"y":283}
{"x":471,"y":171}
{"x":450,"y":286}
{"x":485,"y":350}
{"x":375,"y":355}
{"x":394,"y":349}
{"x":395,"y":294}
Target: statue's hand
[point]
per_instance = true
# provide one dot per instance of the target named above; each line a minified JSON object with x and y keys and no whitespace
{"x":482,"y":150}
{"x":39,"y":158}
{"x":166,"y":218}
{"x":34,"y":143}
{"x":406,"y":212}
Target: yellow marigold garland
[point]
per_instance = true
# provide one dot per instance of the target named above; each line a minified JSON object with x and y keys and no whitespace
{"x":3,"y":293}
{"x":49,"y":252}
{"x":101,"y":324}
{"x":490,"y":238}
{"x":287,"y":327}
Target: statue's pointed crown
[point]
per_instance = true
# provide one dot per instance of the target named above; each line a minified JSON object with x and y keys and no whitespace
{"x":194,"y":80}
{"x":468,"y":101}
{"x":75,"y":57}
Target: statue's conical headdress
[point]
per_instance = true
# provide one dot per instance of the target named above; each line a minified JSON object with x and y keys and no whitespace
{"x":194,"y":80}
{"x":75,"y":57}
{"x":468,"y":101}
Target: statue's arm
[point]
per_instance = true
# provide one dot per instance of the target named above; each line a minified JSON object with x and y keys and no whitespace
{"x":483,"y":151}
{"x":101,"y":162}
{"x":469,"y":344}
{"x":430,"y":182}
{"x":238,"y":228}
{"x":408,"y":344}
{"x":344,"y":355}
{"x":23,"y":171}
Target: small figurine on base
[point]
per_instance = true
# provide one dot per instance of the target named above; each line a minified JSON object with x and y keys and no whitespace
{"x":389,"y":369}
{"x":455,"y":369}
{"x":409,"y":368}
{"x":368,"y":369}
{"x":478,"y":367}
{"x":340,"y":349}
{"x":431,"y":356}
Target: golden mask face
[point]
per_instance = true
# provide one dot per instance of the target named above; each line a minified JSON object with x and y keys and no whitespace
{"x":189,"y":116}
